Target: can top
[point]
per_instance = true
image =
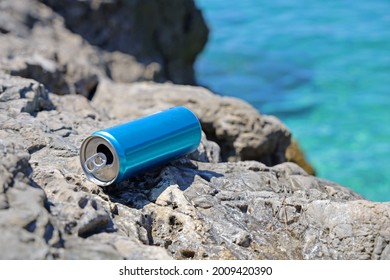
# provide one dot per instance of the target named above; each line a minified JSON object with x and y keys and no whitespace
{"x":99,"y":160}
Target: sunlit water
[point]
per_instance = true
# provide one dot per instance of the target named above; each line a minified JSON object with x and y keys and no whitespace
{"x":322,"y":67}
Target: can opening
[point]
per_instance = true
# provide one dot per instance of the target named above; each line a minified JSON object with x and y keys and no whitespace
{"x":99,"y":160}
{"x":106,"y":151}
{"x":95,"y":162}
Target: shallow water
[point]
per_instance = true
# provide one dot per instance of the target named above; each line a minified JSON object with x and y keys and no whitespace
{"x":322,"y":67}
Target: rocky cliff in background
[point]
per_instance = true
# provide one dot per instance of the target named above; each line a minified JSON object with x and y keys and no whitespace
{"x":126,"y":41}
{"x":57,"y":85}
{"x":167,"y":35}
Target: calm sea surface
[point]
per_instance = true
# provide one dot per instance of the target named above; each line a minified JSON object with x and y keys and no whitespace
{"x":322,"y":67}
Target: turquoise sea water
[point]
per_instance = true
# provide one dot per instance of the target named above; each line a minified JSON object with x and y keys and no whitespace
{"x":322,"y":67}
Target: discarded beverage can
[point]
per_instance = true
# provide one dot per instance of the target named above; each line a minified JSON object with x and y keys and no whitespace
{"x":111,"y":155}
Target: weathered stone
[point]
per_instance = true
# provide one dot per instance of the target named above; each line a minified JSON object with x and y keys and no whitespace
{"x":240,"y":131}
{"x":18,"y":95}
{"x":347,"y":222}
{"x":37,"y":46}
{"x":193,"y":208}
{"x":34,"y":42}
{"x":198,"y":207}
{"x":165,"y":36}
{"x":28,"y":231}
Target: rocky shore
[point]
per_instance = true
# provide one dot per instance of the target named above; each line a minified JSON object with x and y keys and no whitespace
{"x":65,"y":73}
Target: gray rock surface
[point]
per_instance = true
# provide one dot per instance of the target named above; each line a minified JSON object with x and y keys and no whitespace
{"x":35,"y":43}
{"x":166,"y":33}
{"x":194,"y":208}
{"x":241,"y":132}
{"x":236,"y":197}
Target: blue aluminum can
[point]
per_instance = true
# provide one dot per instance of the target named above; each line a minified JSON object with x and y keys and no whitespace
{"x":111,"y":155}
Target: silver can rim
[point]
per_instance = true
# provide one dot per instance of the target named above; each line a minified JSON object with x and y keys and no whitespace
{"x":82,"y":157}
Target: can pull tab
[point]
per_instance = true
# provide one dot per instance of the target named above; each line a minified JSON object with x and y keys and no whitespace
{"x":95,"y":162}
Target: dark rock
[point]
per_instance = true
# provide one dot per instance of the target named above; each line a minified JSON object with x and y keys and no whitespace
{"x":34,"y":42}
{"x":167,"y":34}
{"x":37,"y":46}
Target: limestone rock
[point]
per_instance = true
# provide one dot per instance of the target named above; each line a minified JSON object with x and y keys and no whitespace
{"x":163,"y":34}
{"x":240,"y":131}
{"x":254,"y":206}
{"x":28,"y":230}
{"x":35,"y":42}
{"x":196,"y":207}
